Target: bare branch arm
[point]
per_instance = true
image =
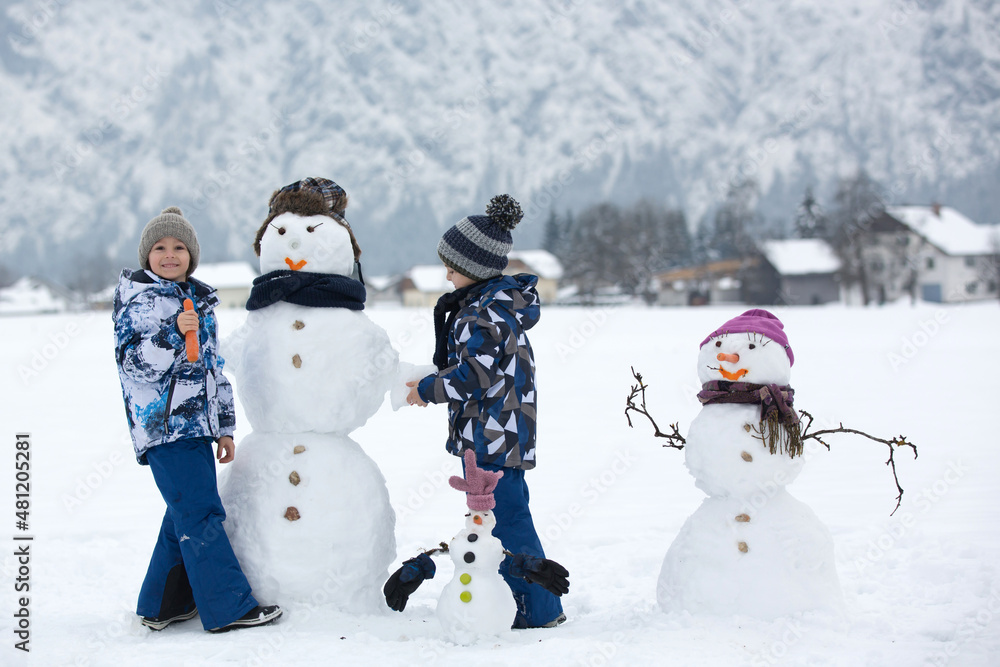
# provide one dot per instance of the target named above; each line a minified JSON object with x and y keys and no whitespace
{"x":675,"y":439}
{"x":893,"y":445}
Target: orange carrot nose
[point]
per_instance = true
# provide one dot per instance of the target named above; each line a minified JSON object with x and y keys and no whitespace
{"x":478,"y":520}
{"x":731,"y":358}
{"x":295,"y":266}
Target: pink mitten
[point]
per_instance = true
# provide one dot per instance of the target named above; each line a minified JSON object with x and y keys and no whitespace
{"x":478,"y":484}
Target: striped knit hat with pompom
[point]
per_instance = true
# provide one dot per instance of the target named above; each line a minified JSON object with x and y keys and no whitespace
{"x":477,"y":246}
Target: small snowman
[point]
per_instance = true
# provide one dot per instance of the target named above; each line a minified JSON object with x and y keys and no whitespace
{"x":308,"y":510}
{"x":477,"y":603}
{"x":750,"y":548}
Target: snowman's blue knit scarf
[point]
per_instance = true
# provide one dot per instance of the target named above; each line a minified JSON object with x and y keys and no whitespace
{"x":780,"y":428}
{"x":315,"y":290}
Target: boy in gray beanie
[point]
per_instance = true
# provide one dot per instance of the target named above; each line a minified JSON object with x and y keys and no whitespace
{"x":179,"y":406}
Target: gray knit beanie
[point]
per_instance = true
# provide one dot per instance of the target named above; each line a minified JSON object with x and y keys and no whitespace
{"x":170,"y":222}
{"x":477,"y":246}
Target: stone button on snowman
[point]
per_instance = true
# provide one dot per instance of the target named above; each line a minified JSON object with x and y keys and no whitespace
{"x":477,"y":602}
{"x":308,"y":510}
{"x":750,"y":548}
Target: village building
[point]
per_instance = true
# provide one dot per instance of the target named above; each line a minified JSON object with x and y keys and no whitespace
{"x":953,"y":259}
{"x":232,"y":281}
{"x":798,"y":272}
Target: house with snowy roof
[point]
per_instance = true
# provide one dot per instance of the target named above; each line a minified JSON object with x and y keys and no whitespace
{"x":541,"y":263}
{"x":423,"y":285}
{"x":797,"y":272}
{"x":717,"y":282}
{"x":955,"y":258}
{"x":232,"y":281}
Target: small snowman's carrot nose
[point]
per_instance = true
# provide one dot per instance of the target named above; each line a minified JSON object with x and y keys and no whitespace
{"x":478,"y":520}
{"x":731,"y":358}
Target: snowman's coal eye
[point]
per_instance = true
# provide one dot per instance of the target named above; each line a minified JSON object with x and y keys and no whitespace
{"x":312,"y":228}
{"x":281,"y":230}
{"x":752,"y":346}
{"x":718,"y":343}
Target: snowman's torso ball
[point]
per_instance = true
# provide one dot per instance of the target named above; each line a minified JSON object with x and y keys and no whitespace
{"x":477,"y":601}
{"x":303,"y":368}
{"x":724,"y":452}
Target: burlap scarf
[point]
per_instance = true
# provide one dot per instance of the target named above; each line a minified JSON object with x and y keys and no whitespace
{"x":316,"y":290}
{"x":779,"y":422}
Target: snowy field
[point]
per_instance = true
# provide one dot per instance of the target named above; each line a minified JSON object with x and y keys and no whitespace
{"x":921,"y":587}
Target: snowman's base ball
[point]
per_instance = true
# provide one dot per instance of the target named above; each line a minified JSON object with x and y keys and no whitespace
{"x":339,"y":546}
{"x":766,"y":560}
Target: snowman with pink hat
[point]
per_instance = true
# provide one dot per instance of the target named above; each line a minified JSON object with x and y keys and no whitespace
{"x":750,"y":548}
{"x":477,"y":602}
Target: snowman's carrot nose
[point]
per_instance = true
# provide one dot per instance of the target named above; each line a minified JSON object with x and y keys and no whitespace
{"x":731,"y":358}
{"x":478,"y":520}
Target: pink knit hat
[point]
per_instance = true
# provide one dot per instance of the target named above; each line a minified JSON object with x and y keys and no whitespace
{"x":756,"y":321}
{"x":478,"y":484}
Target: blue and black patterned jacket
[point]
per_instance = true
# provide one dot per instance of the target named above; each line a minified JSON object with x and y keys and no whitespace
{"x":489,"y":383}
{"x":167,"y":397}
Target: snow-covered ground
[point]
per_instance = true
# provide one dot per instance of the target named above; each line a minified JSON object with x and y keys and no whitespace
{"x":922,"y":587}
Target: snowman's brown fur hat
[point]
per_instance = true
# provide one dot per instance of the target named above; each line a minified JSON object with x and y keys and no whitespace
{"x":308,"y":197}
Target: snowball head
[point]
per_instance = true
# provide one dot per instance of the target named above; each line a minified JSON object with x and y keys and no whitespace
{"x":317,"y":244}
{"x":744,"y":357}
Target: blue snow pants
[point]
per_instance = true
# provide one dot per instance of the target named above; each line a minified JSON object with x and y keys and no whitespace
{"x":193,"y":563}
{"x":516,"y":531}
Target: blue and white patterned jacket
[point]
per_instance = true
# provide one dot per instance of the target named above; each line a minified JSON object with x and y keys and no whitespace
{"x":489,"y":383}
{"x":167,"y":397}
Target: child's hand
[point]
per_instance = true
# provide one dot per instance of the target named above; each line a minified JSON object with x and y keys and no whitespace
{"x":225,"y":446}
{"x":413,"y":398}
{"x":187,"y":320}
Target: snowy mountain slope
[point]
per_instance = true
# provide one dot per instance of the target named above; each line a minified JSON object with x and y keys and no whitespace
{"x":422,"y":110}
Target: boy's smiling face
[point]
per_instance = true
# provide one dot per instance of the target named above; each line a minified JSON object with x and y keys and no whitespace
{"x":169,"y":259}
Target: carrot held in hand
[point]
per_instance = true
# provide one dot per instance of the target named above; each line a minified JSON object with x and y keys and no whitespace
{"x":191,"y":337}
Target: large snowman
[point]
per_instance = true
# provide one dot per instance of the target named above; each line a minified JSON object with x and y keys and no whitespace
{"x":750,"y":548}
{"x":308,"y":511}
